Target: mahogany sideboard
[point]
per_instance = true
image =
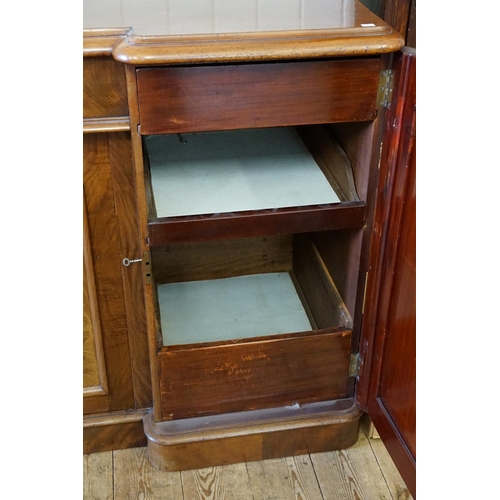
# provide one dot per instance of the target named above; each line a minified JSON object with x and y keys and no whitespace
{"x":249,"y":227}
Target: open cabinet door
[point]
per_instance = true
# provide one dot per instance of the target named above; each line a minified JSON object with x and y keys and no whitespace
{"x":387,"y":380}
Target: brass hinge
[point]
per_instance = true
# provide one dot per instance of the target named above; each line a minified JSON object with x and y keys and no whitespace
{"x":354,"y":364}
{"x":385,"y":85}
{"x":146,"y":263}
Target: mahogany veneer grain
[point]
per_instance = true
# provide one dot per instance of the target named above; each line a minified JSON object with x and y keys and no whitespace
{"x":229,"y":97}
{"x":251,"y":375}
{"x":187,"y":229}
{"x":387,"y":379}
{"x":250,"y":436}
{"x":113,"y":431}
{"x":104,"y":88}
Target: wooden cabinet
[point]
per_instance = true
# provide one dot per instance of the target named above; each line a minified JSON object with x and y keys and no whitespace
{"x":116,"y":367}
{"x":242,"y":182}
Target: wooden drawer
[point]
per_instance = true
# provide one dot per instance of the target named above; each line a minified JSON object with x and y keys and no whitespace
{"x":264,"y":373}
{"x":104,"y":88}
{"x":232,"y":184}
{"x":228,"y":97}
{"x":256,"y":323}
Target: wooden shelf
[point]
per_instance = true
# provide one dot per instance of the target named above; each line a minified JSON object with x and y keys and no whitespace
{"x":257,"y":182}
{"x":230,"y":308}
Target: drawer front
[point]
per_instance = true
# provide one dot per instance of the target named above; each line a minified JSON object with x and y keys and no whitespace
{"x":207,"y":98}
{"x":104,"y":88}
{"x":254,"y":375}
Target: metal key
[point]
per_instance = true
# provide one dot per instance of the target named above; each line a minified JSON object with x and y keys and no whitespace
{"x":127,"y":262}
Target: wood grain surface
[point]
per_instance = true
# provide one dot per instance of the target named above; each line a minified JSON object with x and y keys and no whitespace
{"x":252,"y":375}
{"x":100,"y":42}
{"x":94,"y":368}
{"x":289,"y":477}
{"x":395,"y":483}
{"x":256,"y":95}
{"x":230,"y":482}
{"x":387,"y":380}
{"x":260,"y":434}
{"x":359,"y":33}
{"x":135,"y":478}
{"x":113,"y":431}
{"x":362,"y":472}
{"x":320,"y":291}
{"x":140,"y":186}
{"x":113,"y":124}
{"x":194,"y":228}
{"x":98,"y":475}
{"x":350,"y":474}
{"x":104,"y":88}
{"x":104,"y":234}
{"x":125,"y":198}
{"x":222,"y":258}
{"x":397,"y":13}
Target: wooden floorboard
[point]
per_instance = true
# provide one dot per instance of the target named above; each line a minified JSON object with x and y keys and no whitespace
{"x":135,"y":478}
{"x":363,"y":472}
{"x":98,"y":476}
{"x":228,"y":482}
{"x":283,"y":478}
{"x":395,"y":483}
{"x":350,"y":475}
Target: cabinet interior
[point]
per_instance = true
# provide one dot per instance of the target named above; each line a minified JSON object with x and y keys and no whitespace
{"x":244,"y":288}
{"x":267,"y":318}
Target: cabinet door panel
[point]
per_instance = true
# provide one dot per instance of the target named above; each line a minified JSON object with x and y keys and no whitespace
{"x":398,"y":377}
{"x":387,"y":384}
{"x":105,"y":248}
{"x":94,"y":370}
{"x":125,"y":199}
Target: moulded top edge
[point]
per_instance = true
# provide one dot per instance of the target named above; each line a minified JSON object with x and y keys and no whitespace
{"x":128,"y":51}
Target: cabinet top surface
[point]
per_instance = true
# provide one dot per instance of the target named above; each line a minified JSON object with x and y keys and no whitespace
{"x":146,"y":30}
{"x":189,"y":17}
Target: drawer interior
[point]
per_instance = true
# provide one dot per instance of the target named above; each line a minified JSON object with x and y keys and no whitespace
{"x":253,"y":287}
{"x":230,"y":308}
{"x":247,"y":324}
{"x":214,"y":172}
{"x":214,"y":185}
